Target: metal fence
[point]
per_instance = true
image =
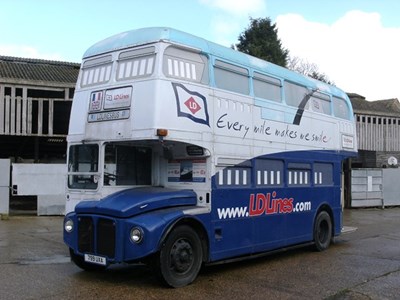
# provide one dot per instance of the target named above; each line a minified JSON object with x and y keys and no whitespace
{"x":375,"y":187}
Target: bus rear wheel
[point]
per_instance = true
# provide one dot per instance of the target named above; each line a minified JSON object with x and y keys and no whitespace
{"x":322,"y":231}
{"x":180,"y":258}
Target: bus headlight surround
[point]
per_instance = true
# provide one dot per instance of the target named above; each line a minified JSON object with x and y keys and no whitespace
{"x":136,"y":235}
{"x":69,"y":225}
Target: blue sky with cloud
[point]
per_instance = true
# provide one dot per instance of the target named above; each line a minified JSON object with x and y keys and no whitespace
{"x":355,"y":42}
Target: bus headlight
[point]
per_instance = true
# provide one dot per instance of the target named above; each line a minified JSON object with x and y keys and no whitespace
{"x":136,"y":235}
{"x":69,"y":225}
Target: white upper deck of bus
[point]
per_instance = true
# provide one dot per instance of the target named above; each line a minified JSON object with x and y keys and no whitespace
{"x":143,"y":36}
{"x":202,"y":93}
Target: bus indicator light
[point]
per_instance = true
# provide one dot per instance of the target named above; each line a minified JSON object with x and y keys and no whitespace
{"x":162,"y":132}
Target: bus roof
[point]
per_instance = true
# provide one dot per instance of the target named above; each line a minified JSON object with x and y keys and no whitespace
{"x":155,"y":34}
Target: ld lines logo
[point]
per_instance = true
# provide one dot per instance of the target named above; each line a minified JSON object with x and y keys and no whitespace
{"x":264,"y":204}
{"x":191,"y":104}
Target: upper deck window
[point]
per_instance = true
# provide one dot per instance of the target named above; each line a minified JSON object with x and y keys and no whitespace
{"x":340,"y":108}
{"x":294,"y":94}
{"x":96,"y":71}
{"x":232,"y":78}
{"x":267,"y":87}
{"x":321,"y":103}
{"x":186,"y":65}
{"x":136,"y":63}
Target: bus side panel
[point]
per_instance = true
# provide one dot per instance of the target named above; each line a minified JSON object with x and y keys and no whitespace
{"x":256,"y":215}
{"x":231,"y":228}
{"x":270,"y":232}
{"x":300,"y":222}
{"x":338,"y":208}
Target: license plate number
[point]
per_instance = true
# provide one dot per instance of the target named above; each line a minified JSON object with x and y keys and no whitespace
{"x":95,"y":259}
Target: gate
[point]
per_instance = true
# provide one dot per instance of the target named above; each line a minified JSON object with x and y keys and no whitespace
{"x":375,"y":187}
{"x":366,"y":188}
{"x":391,"y":188}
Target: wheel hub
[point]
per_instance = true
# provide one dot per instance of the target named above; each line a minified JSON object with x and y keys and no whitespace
{"x":181,"y":256}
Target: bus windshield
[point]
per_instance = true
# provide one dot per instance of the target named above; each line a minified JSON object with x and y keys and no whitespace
{"x":124,"y":164}
{"x":83,"y":166}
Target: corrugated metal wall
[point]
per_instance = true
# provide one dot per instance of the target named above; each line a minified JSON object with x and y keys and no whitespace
{"x":375,"y":187}
{"x":366,"y":187}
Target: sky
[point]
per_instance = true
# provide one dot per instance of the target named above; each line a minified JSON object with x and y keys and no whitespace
{"x":356,"y":43}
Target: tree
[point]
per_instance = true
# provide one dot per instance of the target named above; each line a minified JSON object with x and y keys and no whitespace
{"x":261,"y":40}
{"x":306,"y":68}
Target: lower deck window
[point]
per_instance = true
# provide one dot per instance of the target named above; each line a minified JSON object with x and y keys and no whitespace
{"x":299,"y":174}
{"x":323,"y":174}
{"x":269,"y":172}
{"x":234,"y":177}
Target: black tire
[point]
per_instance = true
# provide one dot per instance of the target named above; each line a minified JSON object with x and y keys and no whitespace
{"x":322,"y":231}
{"x":180,"y":258}
{"x":80,"y":262}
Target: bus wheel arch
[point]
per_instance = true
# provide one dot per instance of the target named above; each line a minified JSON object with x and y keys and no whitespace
{"x":181,"y":254}
{"x":323,"y":229}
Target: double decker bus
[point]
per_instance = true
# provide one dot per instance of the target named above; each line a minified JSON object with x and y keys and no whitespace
{"x":182,"y":152}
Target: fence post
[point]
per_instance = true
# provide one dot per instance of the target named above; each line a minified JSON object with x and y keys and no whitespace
{"x":4,"y":188}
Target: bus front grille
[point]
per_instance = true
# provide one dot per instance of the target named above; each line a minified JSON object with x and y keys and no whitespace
{"x":85,"y":235}
{"x":99,"y":239}
{"x":106,"y":237}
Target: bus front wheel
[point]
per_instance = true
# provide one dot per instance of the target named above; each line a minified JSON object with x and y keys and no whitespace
{"x":322,"y":231}
{"x":180,"y":258}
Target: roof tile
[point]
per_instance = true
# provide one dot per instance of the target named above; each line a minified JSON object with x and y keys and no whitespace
{"x":38,"y":70}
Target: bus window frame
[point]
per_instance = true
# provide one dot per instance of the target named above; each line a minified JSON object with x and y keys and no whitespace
{"x":186,"y":58}
{"x":235,"y":70}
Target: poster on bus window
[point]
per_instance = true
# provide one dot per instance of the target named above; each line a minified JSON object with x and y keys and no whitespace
{"x":186,"y":170}
{"x":118,"y":98}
